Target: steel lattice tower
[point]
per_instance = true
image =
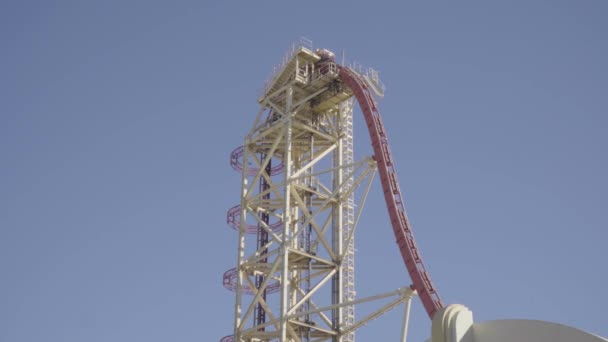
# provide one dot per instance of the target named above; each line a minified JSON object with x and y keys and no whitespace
{"x":302,"y":194}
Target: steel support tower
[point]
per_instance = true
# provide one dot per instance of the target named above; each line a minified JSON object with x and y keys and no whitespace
{"x":302,"y":194}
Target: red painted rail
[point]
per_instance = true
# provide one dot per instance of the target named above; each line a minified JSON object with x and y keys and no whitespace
{"x":392,"y":194}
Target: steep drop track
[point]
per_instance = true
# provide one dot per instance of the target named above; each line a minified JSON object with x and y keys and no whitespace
{"x":392,"y":194}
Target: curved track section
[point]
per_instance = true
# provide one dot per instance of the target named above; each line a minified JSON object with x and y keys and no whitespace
{"x":236,"y":161}
{"x":392,"y":194}
{"x":230,"y":283}
{"x":233,"y":218}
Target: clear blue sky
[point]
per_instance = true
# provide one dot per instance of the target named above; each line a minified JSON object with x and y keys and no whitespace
{"x":117,"y":119}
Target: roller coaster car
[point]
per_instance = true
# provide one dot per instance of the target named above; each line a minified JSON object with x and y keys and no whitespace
{"x":326,"y":55}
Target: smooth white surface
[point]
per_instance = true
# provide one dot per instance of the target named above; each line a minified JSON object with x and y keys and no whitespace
{"x":452,"y":323}
{"x":455,"y":324}
{"x":517,"y":330}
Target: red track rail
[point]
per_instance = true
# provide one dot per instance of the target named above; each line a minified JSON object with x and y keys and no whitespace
{"x":392,"y":194}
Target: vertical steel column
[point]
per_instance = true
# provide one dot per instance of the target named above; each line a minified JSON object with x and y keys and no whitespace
{"x":406,"y":318}
{"x":348,"y":263}
{"x":287,"y":219}
{"x":259,"y":315}
{"x":337,"y":240}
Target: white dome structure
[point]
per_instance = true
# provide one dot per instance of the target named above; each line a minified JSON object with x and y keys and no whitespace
{"x":455,"y":324}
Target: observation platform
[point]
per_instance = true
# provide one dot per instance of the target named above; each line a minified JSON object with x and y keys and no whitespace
{"x":314,"y":78}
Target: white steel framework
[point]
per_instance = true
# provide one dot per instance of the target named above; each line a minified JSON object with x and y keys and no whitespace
{"x":302,"y":195}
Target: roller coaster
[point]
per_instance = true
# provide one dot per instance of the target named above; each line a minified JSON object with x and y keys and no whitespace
{"x":302,"y":195}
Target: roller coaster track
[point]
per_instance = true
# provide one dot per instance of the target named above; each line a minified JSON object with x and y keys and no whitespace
{"x":392,"y":194}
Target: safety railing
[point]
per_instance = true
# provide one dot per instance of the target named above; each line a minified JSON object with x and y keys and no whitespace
{"x":302,"y":43}
{"x":370,"y":75}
